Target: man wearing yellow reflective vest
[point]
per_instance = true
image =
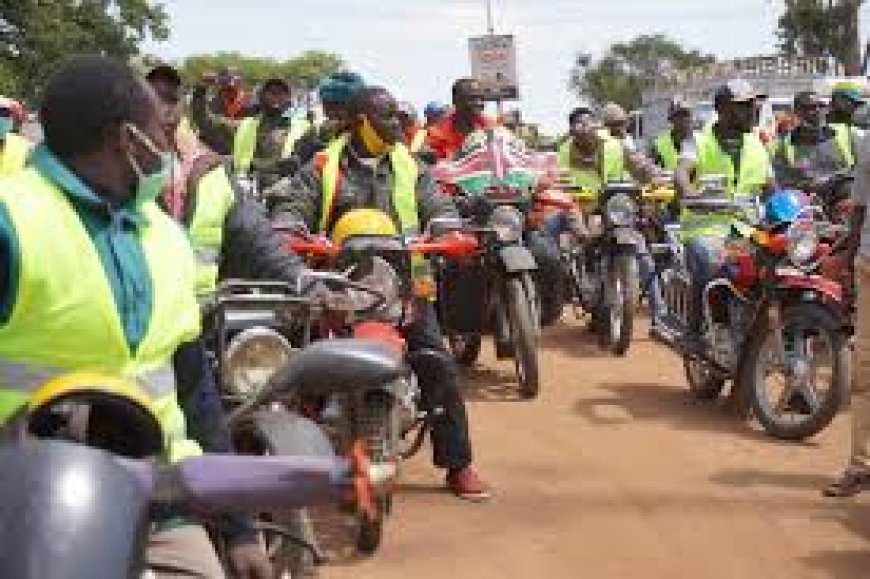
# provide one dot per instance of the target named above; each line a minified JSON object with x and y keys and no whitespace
{"x":370,"y":168}
{"x":846,"y":97}
{"x":810,"y":153}
{"x":592,"y":160}
{"x":666,"y":147}
{"x":86,"y":279}
{"x":263,"y":143}
{"x":231,"y":236}
{"x":13,"y":147}
{"x":728,"y":148}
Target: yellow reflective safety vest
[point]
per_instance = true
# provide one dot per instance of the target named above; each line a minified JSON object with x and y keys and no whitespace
{"x":667,"y":151}
{"x":65,"y":318}
{"x":405,"y":175}
{"x":245,"y":141}
{"x":13,"y":155}
{"x":611,"y":166}
{"x":755,"y":173}
{"x":843,"y":135}
{"x":213,"y":198}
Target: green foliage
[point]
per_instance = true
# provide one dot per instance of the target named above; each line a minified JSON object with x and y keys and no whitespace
{"x":35,"y":34}
{"x":305,"y":70}
{"x":628,"y":68}
{"x":821,"y":28}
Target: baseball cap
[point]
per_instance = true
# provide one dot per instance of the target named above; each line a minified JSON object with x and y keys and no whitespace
{"x":736,"y":91}
{"x":613,"y":113}
{"x":851,"y":89}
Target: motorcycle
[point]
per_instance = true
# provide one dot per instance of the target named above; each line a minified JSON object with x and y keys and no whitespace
{"x":492,"y":181}
{"x":379,"y":299}
{"x":766,"y":314}
{"x":86,"y":441}
{"x":254,"y":329}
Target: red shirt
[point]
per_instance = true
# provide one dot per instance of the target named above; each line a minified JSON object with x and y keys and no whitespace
{"x":445,"y":140}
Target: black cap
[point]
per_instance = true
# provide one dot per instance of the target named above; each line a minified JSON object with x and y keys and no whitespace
{"x":164,"y":71}
{"x":807,"y":99}
{"x":275,"y":82}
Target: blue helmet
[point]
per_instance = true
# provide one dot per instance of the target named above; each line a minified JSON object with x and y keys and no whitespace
{"x":783,"y":206}
{"x":434,"y":109}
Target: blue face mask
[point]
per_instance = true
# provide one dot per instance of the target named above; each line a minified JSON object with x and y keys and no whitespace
{"x":6,"y":126}
{"x":151,"y":184}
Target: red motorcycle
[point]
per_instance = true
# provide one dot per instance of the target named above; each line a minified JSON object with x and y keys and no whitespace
{"x":376,"y":297}
{"x":771,"y":323}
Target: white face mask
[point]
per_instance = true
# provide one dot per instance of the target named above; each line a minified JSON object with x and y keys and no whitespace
{"x":151,"y":184}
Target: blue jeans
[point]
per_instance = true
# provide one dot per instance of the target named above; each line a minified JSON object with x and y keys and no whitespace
{"x":557,"y":224}
{"x":702,"y":260}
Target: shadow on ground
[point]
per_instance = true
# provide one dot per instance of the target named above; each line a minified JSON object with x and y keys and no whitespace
{"x":630,"y":401}
{"x":752,"y":478}
{"x":846,"y":563}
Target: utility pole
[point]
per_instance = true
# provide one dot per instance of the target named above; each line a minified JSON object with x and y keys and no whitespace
{"x":489,"y":26}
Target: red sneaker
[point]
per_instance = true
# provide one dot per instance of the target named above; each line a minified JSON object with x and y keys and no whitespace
{"x":466,"y":484}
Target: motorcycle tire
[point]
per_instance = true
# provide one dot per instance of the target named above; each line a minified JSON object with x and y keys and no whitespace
{"x":465,"y":348}
{"x":704,"y":384}
{"x":809,"y":315}
{"x":374,"y":427}
{"x":620,"y":319}
{"x":524,"y":336}
{"x":271,"y":436}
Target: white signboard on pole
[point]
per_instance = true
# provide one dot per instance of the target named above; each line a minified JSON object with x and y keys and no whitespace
{"x":494,"y":65}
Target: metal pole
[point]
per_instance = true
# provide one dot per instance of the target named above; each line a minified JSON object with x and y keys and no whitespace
{"x":489,"y":26}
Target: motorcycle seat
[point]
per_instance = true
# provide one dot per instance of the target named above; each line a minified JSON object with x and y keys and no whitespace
{"x":343,"y":365}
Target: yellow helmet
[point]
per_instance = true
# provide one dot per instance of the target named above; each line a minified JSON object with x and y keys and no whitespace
{"x":135,"y":425}
{"x":363,"y":222}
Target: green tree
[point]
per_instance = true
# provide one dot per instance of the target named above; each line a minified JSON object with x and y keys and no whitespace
{"x":304,"y":71}
{"x":822,"y":28}
{"x":628,"y":68}
{"x":35,"y":34}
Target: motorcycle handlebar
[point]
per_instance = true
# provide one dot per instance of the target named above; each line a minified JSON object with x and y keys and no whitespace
{"x":219,"y":483}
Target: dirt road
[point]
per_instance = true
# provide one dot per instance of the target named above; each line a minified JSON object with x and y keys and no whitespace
{"x":613,"y":473}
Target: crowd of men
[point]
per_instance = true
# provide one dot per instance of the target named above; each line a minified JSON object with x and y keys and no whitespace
{"x":127,"y":214}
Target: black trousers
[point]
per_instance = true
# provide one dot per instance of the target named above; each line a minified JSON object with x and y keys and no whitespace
{"x":439,"y":383}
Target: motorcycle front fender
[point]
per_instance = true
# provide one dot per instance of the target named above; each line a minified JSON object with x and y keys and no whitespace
{"x":517,"y":259}
{"x":829,"y":290}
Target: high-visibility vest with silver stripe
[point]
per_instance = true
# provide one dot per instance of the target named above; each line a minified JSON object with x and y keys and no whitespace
{"x":65,"y":319}
{"x":214,"y":199}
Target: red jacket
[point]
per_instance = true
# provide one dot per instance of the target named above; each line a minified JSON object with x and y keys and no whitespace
{"x":445,"y":140}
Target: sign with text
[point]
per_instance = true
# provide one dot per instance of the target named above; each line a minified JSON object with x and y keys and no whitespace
{"x":494,"y":65}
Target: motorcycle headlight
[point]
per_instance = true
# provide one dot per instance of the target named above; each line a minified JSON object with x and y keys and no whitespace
{"x":621,"y":210}
{"x":507,"y":222}
{"x":802,"y":242}
{"x":251,"y":359}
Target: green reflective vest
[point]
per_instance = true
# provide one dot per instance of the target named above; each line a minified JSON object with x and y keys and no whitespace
{"x":65,"y":319}
{"x":611,"y":166}
{"x":405,"y":175}
{"x":667,"y":151}
{"x":843,"y":135}
{"x":13,"y":155}
{"x":755,"y":173}
{"x":214,"y":197}
{"x":245,"y":141}
{"x":787,"y":152}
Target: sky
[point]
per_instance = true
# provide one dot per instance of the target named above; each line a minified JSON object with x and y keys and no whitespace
{"x":416,"y":48}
